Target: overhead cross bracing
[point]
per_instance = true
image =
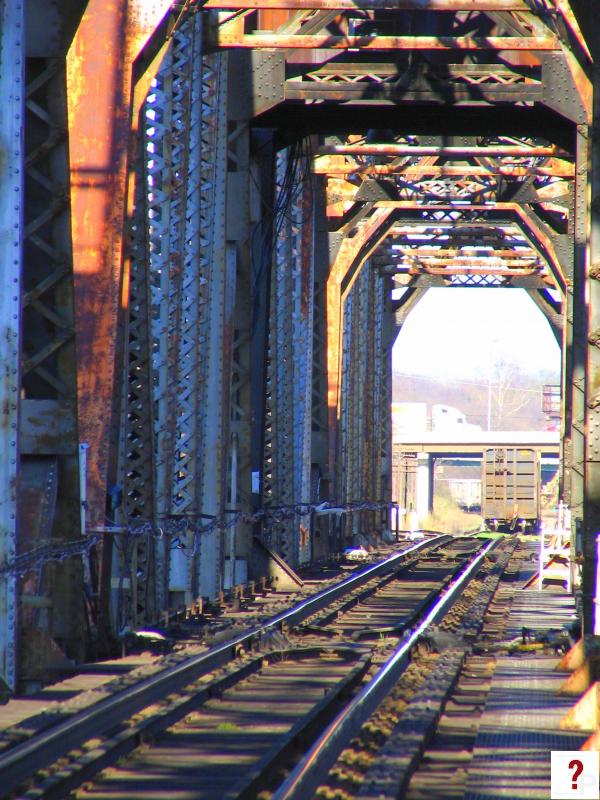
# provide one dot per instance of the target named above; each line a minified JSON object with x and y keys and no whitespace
{"x":204,"y":221}
{"x":458,"y":181}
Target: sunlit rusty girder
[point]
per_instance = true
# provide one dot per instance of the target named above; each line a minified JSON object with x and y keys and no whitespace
{"x":553,"y":168}
{"x":366,"y":365}
{"x":533,"y":227}
{"x":452,"y":170}
{"x":99,"y":85}
{"x":404,"y":257}
{"x":469,"y":151}
{"x":413,"y":43}
{"x":450,"y":269}
{"x":391,"y":5}
{"x":468,"y":84}
{"x":542,"y":38}
{"x":396,"y":251}
{"x":523,"y":256}
{"x":353,"y":252}
{"x":560,"y":7}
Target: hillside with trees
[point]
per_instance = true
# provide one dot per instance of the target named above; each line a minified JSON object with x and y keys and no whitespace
{"x":515,"y":399}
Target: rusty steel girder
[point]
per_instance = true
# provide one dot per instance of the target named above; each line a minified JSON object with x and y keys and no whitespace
{"x":352,"y":253}
{"x":364,"y":416}
{"x":526,"y":44}
{"x":391,"y":5}
{"x":472,"y":151}
{"x":99,"y":85}
{"x":558,"y":169}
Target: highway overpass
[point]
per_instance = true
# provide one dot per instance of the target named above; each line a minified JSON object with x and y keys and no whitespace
{"x":453,"y":443}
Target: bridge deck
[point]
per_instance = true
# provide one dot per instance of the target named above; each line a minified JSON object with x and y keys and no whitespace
{"x":519,"y":728}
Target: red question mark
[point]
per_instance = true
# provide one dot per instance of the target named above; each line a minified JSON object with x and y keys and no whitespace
{"x":577,"y":766}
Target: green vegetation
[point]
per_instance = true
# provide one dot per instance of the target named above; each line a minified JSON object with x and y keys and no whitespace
{"x":228,"y":726}
{"x":447,"y":517}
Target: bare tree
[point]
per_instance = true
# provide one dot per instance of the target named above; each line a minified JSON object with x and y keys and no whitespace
{"x":509,"y":397}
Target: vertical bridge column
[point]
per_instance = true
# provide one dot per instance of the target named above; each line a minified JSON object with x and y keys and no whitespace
{"x":591,"y":586}
{"x":12,"y":55}
{"x":289,"y":377}
{"x":364,"y":406}
{"x":424,"y":487}
{"x":191,"y":291}
{"x":179,"y":297}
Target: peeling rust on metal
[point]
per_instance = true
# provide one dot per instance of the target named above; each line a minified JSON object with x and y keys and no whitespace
{"x":99,"y":100}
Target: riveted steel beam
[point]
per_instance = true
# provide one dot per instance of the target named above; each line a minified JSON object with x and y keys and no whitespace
{"x":261,"y":262}
{"x":289,"y":384}
{"x":365,"y":410}
{"x":398,"y":250}
{"x":384,"y":82}
{"x":532,"y":225}
{"x":575,"y":371}
{"x":590,"y":143}
{"x":325,"y":166}
{"x":491,"y":151}
{"x":238,"y":542}
{"x":219,"y":263}
{"x":191,"y":285}
{"x":549,"y":310}
{"x":12,"y":60}
{"x":343,"y":270}
{"x":48,"y":358}
{"x":413,"y":43}
{"x":391,"y":5}
{"x":99,"y":96}
{"x":137,"y":600}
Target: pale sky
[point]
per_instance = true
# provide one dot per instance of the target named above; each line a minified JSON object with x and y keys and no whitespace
{"x":452,"y":333}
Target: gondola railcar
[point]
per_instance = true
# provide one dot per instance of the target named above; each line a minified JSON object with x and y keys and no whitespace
{"x":510,"y":488}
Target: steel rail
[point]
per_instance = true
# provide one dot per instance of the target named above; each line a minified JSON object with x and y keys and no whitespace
{"x":316,"y":763}
{"x":23,"y":760}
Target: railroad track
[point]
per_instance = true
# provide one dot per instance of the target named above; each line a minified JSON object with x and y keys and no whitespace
{"x":417,"y":743}
{"x":443,"y":769}
{"x":223,"y":724}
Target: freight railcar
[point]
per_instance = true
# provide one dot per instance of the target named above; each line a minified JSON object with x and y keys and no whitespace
{"x":510,"y":489}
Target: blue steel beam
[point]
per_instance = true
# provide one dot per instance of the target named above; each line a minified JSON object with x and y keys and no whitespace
{"x":288,"y":441}
{"x":12,"y":59}
{"x":192,"y":288}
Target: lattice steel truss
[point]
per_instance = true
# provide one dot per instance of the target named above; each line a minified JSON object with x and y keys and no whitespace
{"x":137,"y":562}
{"x":193,"y":355}
{"x":176,"y":405}
{"x":49,"y":492}
{"x":289,"y":377}
{"x":365,"y":409}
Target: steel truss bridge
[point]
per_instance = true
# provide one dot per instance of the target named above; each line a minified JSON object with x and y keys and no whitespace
{"x":204,"y":208}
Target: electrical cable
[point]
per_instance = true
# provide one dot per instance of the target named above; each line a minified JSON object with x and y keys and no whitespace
{"x":172,"y":526}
